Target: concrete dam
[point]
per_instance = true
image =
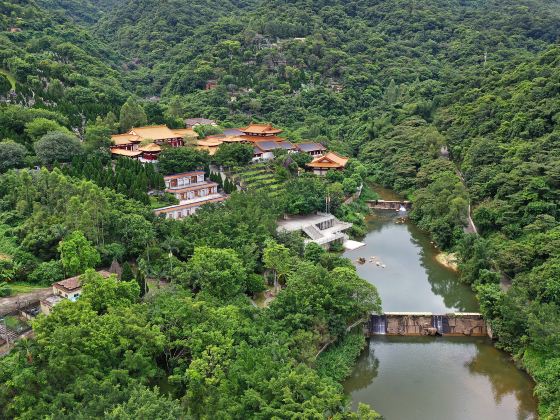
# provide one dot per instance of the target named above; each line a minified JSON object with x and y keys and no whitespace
{"x":389,"y":204}
{"x":426,"y":323}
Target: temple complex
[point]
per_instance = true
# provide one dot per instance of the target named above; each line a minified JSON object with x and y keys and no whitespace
{"x":151,"y":137}
{"x":192,"y":191}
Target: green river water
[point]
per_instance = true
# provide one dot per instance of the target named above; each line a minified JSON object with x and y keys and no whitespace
{"x":429,"y":378}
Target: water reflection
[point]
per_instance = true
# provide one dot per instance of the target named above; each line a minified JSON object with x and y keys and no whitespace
{"x":443,"y":281}
{"x":365,"y":370}
{"x":440,"y":378}
{"x":423,"y":377}
{"x":495,"y":365}
{"x":412,"y":279}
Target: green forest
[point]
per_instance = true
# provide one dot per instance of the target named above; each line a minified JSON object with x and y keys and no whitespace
{"x":453,"y":104}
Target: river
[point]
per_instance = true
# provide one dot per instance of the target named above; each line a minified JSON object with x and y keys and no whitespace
{"x":455,"y":378}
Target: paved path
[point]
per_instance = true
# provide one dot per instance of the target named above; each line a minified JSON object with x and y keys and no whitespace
{"x":9,"y":304}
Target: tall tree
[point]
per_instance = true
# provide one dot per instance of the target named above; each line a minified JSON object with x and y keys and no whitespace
{"x":77,"y":254}
{"x":12,"y":155}
{"x":277,"y":258}
{"x":181,"y":159}
{"x":219,"y":272}
{"x":57,"y":147}
{"x":127,"y":273}
{"x":132,"y":114}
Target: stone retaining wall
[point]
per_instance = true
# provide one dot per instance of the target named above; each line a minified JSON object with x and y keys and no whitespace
{"x":426,"y":323}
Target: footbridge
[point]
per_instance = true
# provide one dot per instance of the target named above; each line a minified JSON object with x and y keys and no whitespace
{"x":427,"y":323}
{"x":389,"y":205}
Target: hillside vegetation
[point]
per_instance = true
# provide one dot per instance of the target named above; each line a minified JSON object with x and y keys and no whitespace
{"x":394,"y":84}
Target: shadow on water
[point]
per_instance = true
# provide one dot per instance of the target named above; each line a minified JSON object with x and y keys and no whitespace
{"x":440,"y":378}
{"x":412,"y":279}
{"x":456,"y":378}
{"x":495,"y":365}
{"x":365,"y":370}
{"x":444,"y":282}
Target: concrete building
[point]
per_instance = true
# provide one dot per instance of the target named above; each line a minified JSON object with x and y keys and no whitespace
{"x":311,"y":148}
{"x":192,"y":191}
{"x":263,"y":150}
{"x":70,"y":288}
{"x":322,"y":228}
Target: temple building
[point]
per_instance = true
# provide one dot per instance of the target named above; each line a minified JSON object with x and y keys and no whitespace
{"x":128,"y":144}
{"x":212,"y":143}
{"x":150,"y":152}
{"x":263,"y":150}
{"x":328,"y":162}
{"x":311,"y":148}
{"x":192,"y":191}
{"x":209,"y":145}
{"x":260,"y":132}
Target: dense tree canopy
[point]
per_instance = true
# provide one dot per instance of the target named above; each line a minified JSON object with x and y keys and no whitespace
{"x":12,"y":155}
{"x":177,"y":160}
{"x":453,"y":104}
{"x":57,"y":146}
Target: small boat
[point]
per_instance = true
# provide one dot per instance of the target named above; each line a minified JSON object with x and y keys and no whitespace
{"x":361,"y":260}
{"x":377,"y":263}
{"x":383,"y":266}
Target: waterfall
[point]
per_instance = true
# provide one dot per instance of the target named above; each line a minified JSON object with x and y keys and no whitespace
{"x":437,"y":322}
{"x":378,"y":324}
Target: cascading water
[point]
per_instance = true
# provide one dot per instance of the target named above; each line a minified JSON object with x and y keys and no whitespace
{"x":378,"y":324}
{"x":437,"y":322}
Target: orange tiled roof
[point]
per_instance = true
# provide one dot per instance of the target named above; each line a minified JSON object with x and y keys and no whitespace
{"x":128,"y":153}
{"x":124,"y":139}
{"x":261,"y":129}
{"x":209,"y":143}
{"x":330,"y":160}
{"x":182,"y":132}
{"x":154,"y":132}
{"x":256,"y":139}
{"x":150,"y":147}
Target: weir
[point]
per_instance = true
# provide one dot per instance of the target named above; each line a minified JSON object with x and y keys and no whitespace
{"x":426,"y":323}
{"x":389,"y":204}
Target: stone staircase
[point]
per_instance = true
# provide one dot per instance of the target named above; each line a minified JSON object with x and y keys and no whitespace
{"x":312,"y":231}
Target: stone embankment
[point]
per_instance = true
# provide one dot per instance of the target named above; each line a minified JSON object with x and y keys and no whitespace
{"x":426,"y":323}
